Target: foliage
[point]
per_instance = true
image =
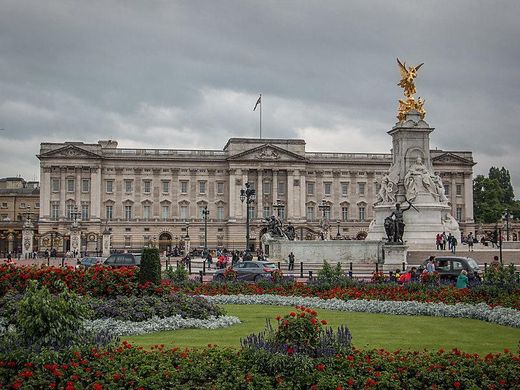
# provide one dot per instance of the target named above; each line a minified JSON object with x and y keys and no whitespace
{"x":504,"y":277}
{"x":503,"y":179}
{"x":43,"y":321}
{"x":143,"y":308}
{"x":179,"y":276}
{"x":129,"y":367}
{"x":430,"y":278}
{"x":230,"y":274}
{"x":150,"y":269}
{"x":329,"y":277}
{"x":379,"y":277}
{"x":277,"y":276}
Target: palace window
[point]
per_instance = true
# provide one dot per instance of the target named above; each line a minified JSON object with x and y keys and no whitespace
{"x":70,"y":185}
{"x":310,"y":213}
{"x":310,"y":188}
{"x":202,"y":187}
{"x":458,"y":189}
{"x":446,"y":189}
{"x":85,"y":185}
{"x":165,"y":186}
{"x":266,"y":212}
{"x":266,"y":188}
{"x":328,"y":213}
{"x":70,"y":211}
{"x":128,"y":186}
{"x":108,"y":213}
{"x":84,"y":212}
{"x":220,"y":213}
{"x":220,"y":187}
{"x":361,"y":188}
{"x":128,"y":213}
{"x":459,"y":213}
{"x":251,"y":212}
{"x":165,"y":212}
{"x":184,"y":212}
{"x":327,"y":188}
{"x":55,"y":211}
{"x":281,"y":187}
{"x":146,"y":212}
{"x":110,"y":186}
{"x":344,"y":189}
{"x":147,"y":186}
{"x":128,"y":241}
{"x":362,"y":213}
{"x":55,"y":183}
{"x":184,"y":187}
{"x":344,"y":213}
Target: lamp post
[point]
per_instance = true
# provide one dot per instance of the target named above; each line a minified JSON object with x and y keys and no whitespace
{"x":248,"y":195}
{"x":205,"y":213}
{"x":324,"y":207}
{"x":338,"y":235}
{"x":506,"y":218}
{"x":187,"y":240}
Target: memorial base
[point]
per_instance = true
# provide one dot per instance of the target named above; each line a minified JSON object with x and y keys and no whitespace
{"x":395,"y":256}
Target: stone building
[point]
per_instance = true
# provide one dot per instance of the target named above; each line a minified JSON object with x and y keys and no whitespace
{"x":19,"y":201}
{"x":157,"y":195}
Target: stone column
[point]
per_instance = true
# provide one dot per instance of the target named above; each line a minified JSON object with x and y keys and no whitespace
{"x":106,"y":243}
{"x":453,"y":195}
{"x":275,"y":186}
{"x":10,"y":242}
{"x":27,"y":240}
{"x":63,"y":185}
{"x":95,"y":194}
{"x":303,"y":196}
{"x":291,"y":201}
{"x":45,"y":194}
{"x":232,"y":195}
{"x":259,"y":194}
{"x":468,"y":198}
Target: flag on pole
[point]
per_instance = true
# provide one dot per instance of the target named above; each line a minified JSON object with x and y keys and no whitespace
{"x":259,"y":101}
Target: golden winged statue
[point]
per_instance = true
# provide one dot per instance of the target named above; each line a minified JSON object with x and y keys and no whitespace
{"x":407,"y":83}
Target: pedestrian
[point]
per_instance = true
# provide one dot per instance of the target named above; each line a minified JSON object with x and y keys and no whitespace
{"x":449,"y":239}
{"x":495,"y":264}
{"x":430,"y":266}
{"x":443,"y":241}
{"x":209,"y":259}
{"x":462,"y":280}
{"x":438,"y":241}
{"x":291,"y":261}
{"x":9,"y":257}
{"x":470,"y":241}
{"x":453,"y":244}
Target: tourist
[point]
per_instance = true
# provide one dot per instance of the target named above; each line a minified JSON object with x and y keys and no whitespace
{"x":449,"y":239}
{"x":453,"y":244}
{"x":438,"y":241}
{"x":409,"y":277}
{"x":291,"y":261}
{"x":430,"y":266}
{"x":443,"y":241}
{"x":470,"y":241}
{"x":462,"y":280}
{"x":209,"y":259}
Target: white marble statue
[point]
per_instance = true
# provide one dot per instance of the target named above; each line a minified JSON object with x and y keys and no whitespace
{"x":441,"y":192}
{"x":418,"y":178}
{"x":388,"y":191}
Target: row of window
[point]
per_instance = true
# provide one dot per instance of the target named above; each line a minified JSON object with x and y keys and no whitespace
{"x":184,"y":184}
{"x":22,"y":205}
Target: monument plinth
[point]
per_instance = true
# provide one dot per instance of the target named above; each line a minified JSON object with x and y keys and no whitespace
{"x":411,"y":181}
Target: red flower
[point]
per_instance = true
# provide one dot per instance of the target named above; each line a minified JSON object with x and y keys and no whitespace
{"x":370,"y":382}
{"x":97,"y":386}
{"x":313,"y":321}
{"x":278,"y":318}
{"x":456,"y":384}
{"x":248,"y":377}
{"x":290,"y":351}
{"x":117,"y":377}
{"x":351,"y":382}
{"x":292,"y":314}
{"x":69,"y":386}
{"x":320,"y":367}
{"x":324,"y":322}
{"x":350,"y":358}
{"x":26,"y":374}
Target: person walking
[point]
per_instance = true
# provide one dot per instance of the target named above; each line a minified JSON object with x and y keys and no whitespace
{"x":453,"y":244}
{"x":470,"y":241}
{"x":291,"y":261}
{"x":462,"y":279}
{"x":430,"y":266}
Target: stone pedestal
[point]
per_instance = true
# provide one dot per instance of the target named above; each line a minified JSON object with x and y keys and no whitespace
{"x":75,"y":240}
{"x":187,"y":246}
{"x":395,"y":256}
{"x":106,"y":243}
{"x":27,"y":240}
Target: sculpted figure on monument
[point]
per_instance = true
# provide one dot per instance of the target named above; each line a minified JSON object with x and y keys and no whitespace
{"x":388,"y":190}
{"x":418,"y":178}
{"x":394,"y":224}
{"x":407,"y":77}
{"x":289,"y":231}
{"x":274,"y":227}
{"x":441,"y":192}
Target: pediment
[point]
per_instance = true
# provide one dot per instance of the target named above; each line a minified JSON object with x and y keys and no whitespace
{"x":451,"y":158}
{"x":267,"y":152}
{"x":70,"y":151}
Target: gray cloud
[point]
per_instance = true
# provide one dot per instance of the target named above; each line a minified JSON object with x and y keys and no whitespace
{"x":187,"y":74}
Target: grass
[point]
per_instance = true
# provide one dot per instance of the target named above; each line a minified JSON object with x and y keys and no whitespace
{"x":368,"y":331}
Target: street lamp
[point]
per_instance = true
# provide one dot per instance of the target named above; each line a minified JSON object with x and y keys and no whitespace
{"x":338,"y":235}
{"x":187,"y":230}
{"x":506,"y":218}
{"x":247,"y":194}
{"x":324,"y":207}
{"x":205,"y":213}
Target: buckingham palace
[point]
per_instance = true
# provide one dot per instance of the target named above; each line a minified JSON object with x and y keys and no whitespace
{"x":159,"y":195}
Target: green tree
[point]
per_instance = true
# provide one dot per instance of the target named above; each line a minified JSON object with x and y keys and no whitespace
{"x":150,"y":270}
{"x":503,"y":178}
{"x":494,"y":194}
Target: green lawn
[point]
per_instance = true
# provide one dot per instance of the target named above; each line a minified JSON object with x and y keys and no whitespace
{"x":368,"y":331}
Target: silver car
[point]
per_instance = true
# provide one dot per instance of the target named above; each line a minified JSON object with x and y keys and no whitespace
{"x":249,"y":270}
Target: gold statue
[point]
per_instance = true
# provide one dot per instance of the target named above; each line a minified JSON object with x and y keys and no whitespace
{"x":407,"y":83}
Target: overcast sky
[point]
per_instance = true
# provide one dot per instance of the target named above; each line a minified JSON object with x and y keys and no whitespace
{"x":187,"y":74}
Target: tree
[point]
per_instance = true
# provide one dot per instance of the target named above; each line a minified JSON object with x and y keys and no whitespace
{"x":493,"y":195}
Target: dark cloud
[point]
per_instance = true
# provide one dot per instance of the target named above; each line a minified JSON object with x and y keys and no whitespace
{"x":187,"y":74}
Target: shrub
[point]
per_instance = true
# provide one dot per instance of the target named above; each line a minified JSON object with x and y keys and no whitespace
{"x":178,"y":276}
{"x":230,"y":274}
{"x":502,"y":276}
{"x":430,"y":278}
{"x":150,"y":270}
{"x":301,"y":332}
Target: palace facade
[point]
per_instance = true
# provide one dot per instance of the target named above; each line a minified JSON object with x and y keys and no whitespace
{"x":158,"y":195}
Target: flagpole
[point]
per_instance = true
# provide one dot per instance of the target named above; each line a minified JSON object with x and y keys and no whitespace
{"x":260,"y":116}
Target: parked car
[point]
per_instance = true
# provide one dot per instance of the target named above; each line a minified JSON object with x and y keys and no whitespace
{"x":249,"y":270}
{"x":123,"y":260}
{"x":449,"y":267}
{"x":87,"y":262}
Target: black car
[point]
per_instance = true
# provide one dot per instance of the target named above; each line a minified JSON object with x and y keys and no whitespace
{"x":449,"y":267}
{"x":88,"y":262}
{"x":249,"y":270}
{"x":123,"y":260}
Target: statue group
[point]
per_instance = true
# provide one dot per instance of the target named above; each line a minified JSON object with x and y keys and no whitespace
{"x":276,"y":229}
{"x":420,"y":179}
{"x":394,"y":224}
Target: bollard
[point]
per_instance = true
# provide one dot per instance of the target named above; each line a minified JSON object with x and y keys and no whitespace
{"x":279,"y":265}
{"x":301,"y":269}
{"x":62,"y":261}
{"x":177,"y":262}
{"x":350,"y":267}
{"x":377,"y":267}
{"x":204,"y":267}
{"x":189,"y":266}
{"x":201,"y":276}
{"x":404,"y":266}
{"x":48,"y":261}
{"x":350,"y":274}
{"x":168,"y":262}
{"x":310,"y":275}
{"x":485,"y":267}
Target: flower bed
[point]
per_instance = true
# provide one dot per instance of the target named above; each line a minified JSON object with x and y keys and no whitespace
{"x":498,"y":315}
{"x":132,"y":368}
